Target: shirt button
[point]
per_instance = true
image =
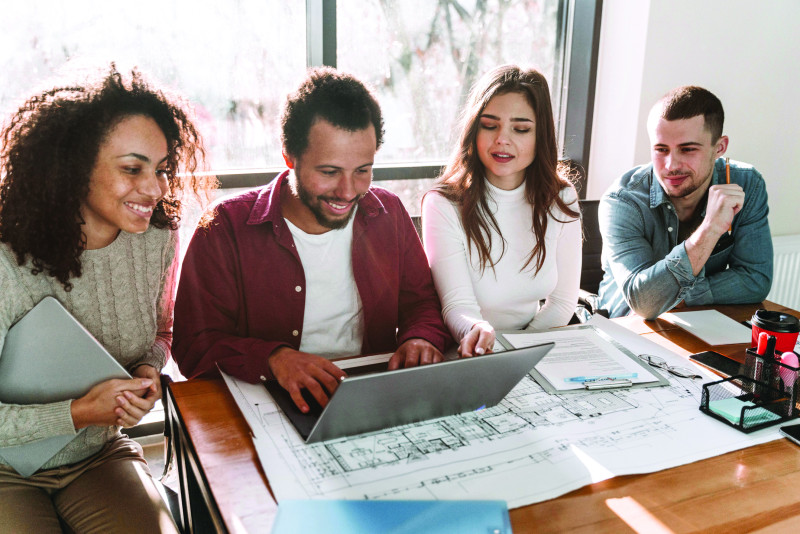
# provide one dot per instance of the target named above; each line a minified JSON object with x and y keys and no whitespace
{"x":295,"y":333}
{"x":263,"y":378}
{"x":298,"y":289}
{"x":669,"y":229}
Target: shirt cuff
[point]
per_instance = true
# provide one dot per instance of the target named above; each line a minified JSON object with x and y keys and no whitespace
{"x":56,"y":420}
{"x":156,"y":357}
{"x":694,"y":290}
{"x":700,"y":294}
{"x":254,"y":366}
{"x":678,"y":264}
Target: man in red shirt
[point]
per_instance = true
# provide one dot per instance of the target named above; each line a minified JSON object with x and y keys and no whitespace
{"x":315,"y":265}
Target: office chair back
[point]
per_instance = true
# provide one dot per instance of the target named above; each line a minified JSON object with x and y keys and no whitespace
{"x":592,"y":271}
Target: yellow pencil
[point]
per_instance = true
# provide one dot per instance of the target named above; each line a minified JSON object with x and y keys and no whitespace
{"x":728,"y":181}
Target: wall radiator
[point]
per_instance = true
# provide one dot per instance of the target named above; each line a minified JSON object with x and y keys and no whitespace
{"x":786,"y":275}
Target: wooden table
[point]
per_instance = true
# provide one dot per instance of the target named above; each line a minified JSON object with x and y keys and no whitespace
{"x":757,"y":489}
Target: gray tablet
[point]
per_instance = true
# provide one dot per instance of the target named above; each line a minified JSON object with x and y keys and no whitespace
{"x":48,"y":356}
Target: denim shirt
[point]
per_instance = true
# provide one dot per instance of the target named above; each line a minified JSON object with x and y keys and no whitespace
{"x":647,"y":271}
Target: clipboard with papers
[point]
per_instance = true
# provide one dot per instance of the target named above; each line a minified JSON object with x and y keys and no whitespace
{"x":584,"y":358}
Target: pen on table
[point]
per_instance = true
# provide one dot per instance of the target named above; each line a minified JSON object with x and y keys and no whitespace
{"x":596,"y":378}
{"x":728,"y":181}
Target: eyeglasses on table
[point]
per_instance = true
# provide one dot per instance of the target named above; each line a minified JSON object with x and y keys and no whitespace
{"x":661,"y":363}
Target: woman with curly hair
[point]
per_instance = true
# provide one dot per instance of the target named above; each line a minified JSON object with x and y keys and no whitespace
{"x":501,"y":227}
{"x":90,"y":199}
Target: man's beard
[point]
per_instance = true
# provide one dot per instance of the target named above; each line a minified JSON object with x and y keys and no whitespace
{"x":313,"y":204}
{"x":683,"y":193}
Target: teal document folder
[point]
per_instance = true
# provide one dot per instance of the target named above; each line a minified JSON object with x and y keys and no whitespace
{"x":392,"y":517}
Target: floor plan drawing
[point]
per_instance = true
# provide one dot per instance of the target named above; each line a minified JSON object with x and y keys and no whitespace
{"x":531,"y":447}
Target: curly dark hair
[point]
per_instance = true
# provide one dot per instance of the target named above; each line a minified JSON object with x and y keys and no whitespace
{"x":337,"y":97}
{"x":49,"y":148}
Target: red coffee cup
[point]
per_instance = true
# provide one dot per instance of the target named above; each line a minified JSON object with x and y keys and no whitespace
{"x":783,"y":326}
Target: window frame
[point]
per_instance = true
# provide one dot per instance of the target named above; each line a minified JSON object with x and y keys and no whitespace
{"x":579,"y":37}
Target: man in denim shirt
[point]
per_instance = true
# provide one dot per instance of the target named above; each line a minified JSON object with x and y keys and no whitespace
{"x":674,"y":231}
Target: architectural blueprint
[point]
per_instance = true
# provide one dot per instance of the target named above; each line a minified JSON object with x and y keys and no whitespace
{"x":531,"y":447}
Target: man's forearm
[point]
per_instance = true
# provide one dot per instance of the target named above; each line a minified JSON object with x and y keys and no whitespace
{"x":699,"y":247}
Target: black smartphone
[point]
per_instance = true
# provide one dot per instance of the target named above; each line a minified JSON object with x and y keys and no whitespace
{"x":792,"y":432}
{"x":717,"y":362}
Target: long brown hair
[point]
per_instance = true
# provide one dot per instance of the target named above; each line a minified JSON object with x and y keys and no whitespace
{"x":462,"y":181}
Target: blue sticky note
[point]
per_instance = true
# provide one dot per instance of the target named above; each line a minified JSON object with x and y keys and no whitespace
{"x":392,"y":517}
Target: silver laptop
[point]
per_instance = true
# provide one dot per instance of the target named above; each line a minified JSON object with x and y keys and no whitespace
{"x":48,"y":356}
{"x":376,"y":401}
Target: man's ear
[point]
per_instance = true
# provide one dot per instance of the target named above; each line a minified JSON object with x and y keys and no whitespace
{"x":288,"y":159}
{"x":721,"y":146}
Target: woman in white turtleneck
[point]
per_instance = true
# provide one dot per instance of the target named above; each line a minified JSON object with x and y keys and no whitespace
{"x":501,"y":227}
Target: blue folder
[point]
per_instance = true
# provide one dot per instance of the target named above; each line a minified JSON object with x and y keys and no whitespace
{"x":392,"y":517}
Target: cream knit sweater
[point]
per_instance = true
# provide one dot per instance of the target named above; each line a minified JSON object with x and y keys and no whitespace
{"x":124,"y":297}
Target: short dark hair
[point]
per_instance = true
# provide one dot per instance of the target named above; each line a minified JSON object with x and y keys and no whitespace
{"x":337,"y":97}
{"x":690,"y":101}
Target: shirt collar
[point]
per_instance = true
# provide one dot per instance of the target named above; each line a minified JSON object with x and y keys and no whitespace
{"x":267,"y":207}
{"x":657,"y":194}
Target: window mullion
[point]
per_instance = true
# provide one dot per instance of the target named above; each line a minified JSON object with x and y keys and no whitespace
{"x":321,"y":33}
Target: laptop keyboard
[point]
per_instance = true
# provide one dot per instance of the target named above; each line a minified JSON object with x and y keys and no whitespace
{"x":368,"y":369}
{"x":315,"y":408}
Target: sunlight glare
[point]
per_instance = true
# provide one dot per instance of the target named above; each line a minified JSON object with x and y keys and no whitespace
{"x":636,"y":516}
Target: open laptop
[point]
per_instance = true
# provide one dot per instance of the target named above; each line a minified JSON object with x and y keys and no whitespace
{"x":48,"y":356}
{"x":370,"y":402}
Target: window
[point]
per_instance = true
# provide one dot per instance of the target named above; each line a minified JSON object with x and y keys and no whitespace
{"x":236,"y":61}
{"x":423,"y":57}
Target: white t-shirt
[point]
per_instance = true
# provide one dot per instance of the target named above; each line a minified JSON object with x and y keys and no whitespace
{"x":333,"y":320}
{"x":505,"y":297}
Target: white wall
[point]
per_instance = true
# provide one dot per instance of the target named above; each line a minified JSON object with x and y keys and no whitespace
{"x":746,"y":52}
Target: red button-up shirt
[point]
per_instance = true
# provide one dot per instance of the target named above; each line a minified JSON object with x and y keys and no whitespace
{"x":242,"y":288}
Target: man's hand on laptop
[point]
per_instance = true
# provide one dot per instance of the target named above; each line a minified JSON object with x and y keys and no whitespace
{"x":297,"y":370}
{"x":414,"y":352}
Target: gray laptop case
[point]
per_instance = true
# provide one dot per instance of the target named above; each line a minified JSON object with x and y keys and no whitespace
{"x":48,"y":356}
{"x":382,"y":400}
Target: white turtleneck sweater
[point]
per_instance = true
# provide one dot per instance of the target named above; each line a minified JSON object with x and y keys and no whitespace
{"x":506,"y":297}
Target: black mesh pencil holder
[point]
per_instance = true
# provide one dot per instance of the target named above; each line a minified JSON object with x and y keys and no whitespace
{"x":746,"y":404}
{"x":777,"y":375}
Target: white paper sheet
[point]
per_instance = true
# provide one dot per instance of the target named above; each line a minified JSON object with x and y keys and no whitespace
{"x":581,"y":355}
{"x":531,"y":447}
{"x":711,"y":326}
